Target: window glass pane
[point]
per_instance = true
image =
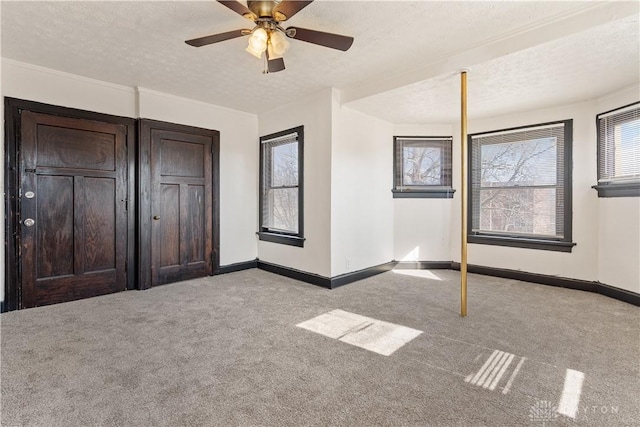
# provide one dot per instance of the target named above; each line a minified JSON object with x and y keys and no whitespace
{"x":283,"y":210}
{"x":627,"y":141}
{"x":521,"y":163}
{"x":284,"y":164}
{"x":518,"y":210}
{"x":421,"y":165}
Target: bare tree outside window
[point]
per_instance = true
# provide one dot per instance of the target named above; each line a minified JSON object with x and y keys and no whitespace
{"x":422,"y":165}
{"x":283,"y":194}
{"x":517,"y":191}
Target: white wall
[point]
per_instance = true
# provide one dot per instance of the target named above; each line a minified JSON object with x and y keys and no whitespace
{"x":238,"y":139}
{"x":422,"y":227}
{"x":348,"y":208}
{"x":33,"y":83}
{"x":581,"y":263}
{"x":619,"y":220}
{"x":361,"y":182}
{"x":314,"y":113}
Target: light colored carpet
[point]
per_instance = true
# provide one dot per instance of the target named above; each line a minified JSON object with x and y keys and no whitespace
{"x":225,"y":351}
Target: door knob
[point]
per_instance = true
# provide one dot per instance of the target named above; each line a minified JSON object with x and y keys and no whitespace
{"x":156,"y":217}
{"x":29,"y":194}
{"x":28,"y":222}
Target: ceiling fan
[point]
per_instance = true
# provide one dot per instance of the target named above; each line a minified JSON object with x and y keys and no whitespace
{"x":268,"y":36}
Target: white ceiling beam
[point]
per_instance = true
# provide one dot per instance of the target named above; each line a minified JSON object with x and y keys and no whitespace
{"x":564,"y":25}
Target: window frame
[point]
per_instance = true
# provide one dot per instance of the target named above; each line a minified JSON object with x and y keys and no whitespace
{"x":613,"y":188}
{"x":564,"y":244}
{"x":264,"y":233}
{"x":444,"y":191}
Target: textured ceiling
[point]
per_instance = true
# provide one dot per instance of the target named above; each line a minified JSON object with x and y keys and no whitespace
{"x":571,"y":69}
{"x":142,"y":44}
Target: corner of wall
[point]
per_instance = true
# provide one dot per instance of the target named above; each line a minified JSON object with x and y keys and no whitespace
{"x":314,"y":112}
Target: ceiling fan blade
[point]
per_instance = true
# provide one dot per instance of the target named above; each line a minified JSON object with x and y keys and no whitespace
{"x":275,"y":65}
{"x":334,"y":41}
{"x":215,"y":38}
{"x":239,"y":8}
{"x":288,"y":8}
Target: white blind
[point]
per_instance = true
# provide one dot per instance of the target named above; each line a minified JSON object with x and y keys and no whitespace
{"x":285,"y":139}
{"x":619,"y":145}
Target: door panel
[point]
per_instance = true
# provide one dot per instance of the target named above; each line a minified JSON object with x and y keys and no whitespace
{"x":100,"y":221}
{"x":77,"y":245}
{"x":54,"y":226}
{"x":182,"y":158}
{"x":75,"y":148}
{"x":195,"y":227}
{"x":168,"y":235}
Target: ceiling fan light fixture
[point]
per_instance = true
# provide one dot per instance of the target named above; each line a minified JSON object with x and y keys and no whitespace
{"x":260,"y":34}
{"x":271,"y":53}
{"x":278,"y":43}
{"x":254,"y":52}
{"x":258,"y":42}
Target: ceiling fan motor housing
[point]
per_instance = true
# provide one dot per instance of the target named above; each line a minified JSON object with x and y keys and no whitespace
{"x":264,"y":9}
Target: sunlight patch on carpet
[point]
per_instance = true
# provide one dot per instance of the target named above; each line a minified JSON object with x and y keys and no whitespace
{"x":571,"y":393}
{"x":425,"y":274}
{"x":493,"y":370}
{"x":371,"y":334}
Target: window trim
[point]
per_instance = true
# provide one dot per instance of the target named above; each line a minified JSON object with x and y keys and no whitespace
{"x":422,"y":191}
{"x":550,"y":244}
{"x":613,"y":188}
{"x":283,"y":237}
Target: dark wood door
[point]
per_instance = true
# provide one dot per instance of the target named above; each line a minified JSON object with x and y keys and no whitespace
{"x":181,"y":170}
{"x":73,"y":219}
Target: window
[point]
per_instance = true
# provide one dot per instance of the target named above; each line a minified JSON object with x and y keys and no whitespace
{"x":520,"y":187}
{"x":281,"y":173}
{"x":619,"y":152}
{"x":422,"y":167}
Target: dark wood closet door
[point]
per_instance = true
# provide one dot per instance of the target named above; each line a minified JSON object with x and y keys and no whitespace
{"x":181,"y":206}
{"x":73,"y":192}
